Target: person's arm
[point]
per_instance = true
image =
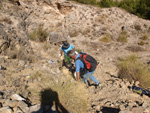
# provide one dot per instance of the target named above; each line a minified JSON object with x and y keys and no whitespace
{"x":61,"y":52}
{"x":78,"y":76}
{"x":73,"y":49}
{"x":77,"y":65}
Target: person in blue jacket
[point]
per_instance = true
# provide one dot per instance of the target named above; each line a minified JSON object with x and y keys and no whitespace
{"x":81,"y":71}
{"x":64,"y":49}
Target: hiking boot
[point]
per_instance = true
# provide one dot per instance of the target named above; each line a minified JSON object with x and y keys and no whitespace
{"x":98,"y":85}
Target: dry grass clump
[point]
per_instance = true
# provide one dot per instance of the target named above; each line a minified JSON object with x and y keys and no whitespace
{"x":123,"y":37}
{"x":144,"y":37}
{"x":64,"y":91}
{"x":105,"y":38}
{"x":141,"y":43}
{"x":132,"y":69}
{"x":39,"y":34}
{"x":135,"y":48}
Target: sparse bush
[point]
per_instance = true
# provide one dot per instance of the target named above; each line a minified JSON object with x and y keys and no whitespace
{"x":39,"y":34}
{"x":132,"y":69}
{"x":141,"y":43}
{"x":144,"y":37}
{"x":123,"y":37}
{"x":106,"y":38}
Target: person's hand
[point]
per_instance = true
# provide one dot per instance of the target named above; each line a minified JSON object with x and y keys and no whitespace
{"x":61,"y":58}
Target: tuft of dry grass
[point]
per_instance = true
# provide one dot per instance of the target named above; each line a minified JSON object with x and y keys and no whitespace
{"x":71,"y":94}
{"x":144,"y":37}
{"x":141,"y":43}
{"x":39,"y":34}
{"x":105,"y":38}
{"x":132,"y":69}
{"x":123,"y":37}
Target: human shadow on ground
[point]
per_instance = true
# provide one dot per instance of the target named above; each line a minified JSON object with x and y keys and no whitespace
{"x":50,"y":102}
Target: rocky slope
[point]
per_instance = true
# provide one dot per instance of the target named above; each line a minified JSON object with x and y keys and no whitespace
{"x":21,"y":58}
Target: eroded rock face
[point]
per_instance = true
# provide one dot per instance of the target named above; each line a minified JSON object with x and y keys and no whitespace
{"x":13,"y":34}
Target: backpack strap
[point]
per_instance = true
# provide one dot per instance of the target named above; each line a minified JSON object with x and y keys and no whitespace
{"x":84,"y":70}
{"x":81,"y":58}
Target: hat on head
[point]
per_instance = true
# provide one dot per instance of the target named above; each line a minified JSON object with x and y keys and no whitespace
{"x":66,"y":45}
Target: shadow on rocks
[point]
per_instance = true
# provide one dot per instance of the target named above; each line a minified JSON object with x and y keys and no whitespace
{"x":110,"y":110}
{"x":50,"y":103}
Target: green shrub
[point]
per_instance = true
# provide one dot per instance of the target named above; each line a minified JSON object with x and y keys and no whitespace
{"x":105,"y":38}
{"x":39,"y":34}
{"x":132,"y":69}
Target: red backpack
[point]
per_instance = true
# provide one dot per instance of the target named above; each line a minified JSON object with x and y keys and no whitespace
{"x":89,"y":62}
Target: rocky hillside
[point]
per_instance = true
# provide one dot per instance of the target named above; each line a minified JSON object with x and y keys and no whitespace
{"x":23,"y":62}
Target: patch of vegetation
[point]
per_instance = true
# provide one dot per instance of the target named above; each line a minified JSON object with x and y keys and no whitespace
{"x":39,"y":34}
{"x":123,"y":37}
{"x":132,"y":69}
{"x":105,"y":38}
{"x":64,"y":91}
{"x":144,"y":37}
{"x":140,"y":8}
{"x":141,"y":43}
